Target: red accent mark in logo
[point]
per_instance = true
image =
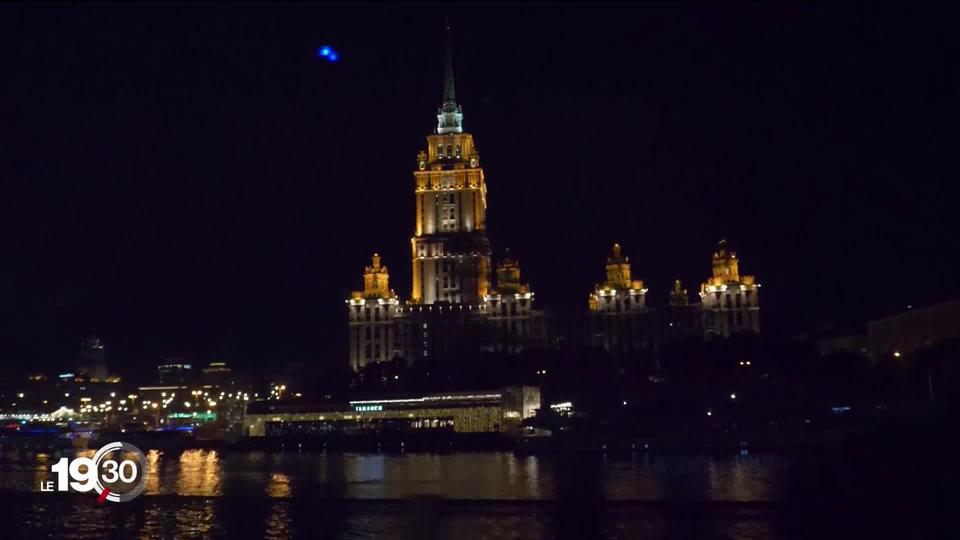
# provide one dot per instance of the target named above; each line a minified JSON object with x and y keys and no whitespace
{"x":103,"y":496}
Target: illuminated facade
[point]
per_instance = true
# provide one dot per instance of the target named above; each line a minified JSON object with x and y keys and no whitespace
{"x":497,"y":411}
{"x":453,"y":308}
{"x":372,"y":315}
{"x":619,"y":318}
{"x":730,"y":302}
{"x":450,"y":249}
{"x":512,"y":321}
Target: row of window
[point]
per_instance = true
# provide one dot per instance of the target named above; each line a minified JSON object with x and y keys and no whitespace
{"x":452,"y":151}
{"x":371,"y":314}
{"x":738,"y":301}
{"x":448,"y":212}
{"x":735,"y":319}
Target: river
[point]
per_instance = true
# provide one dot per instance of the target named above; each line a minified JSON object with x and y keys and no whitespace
{"x":491,"y":495}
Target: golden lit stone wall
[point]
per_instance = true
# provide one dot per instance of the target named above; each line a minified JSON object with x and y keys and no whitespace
{"x":451,"y":200}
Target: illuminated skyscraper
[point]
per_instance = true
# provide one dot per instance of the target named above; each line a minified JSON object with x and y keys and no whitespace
{"x":451,"y":252}
{"x":452,"y":310}
{"x":730,"y":301}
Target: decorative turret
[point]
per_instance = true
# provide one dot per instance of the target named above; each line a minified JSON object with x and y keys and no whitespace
{"x":726,"y":267}
{"x":631,"y":292}
{"x":508,"y":277}
{"x":730,"y":301}
{"x":376,"y":281}
{"x":618,"y":271}
{"x":678,"y":296}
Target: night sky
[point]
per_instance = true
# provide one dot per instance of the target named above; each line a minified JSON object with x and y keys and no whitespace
{"x":191,"y":180}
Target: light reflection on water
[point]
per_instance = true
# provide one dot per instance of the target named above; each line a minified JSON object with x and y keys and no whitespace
{"x":258,"y":494}
{"x":498,"y":476}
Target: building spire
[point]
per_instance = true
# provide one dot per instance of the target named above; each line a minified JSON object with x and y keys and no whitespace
{"x":449,"y":94}
{"x":449,"y":115}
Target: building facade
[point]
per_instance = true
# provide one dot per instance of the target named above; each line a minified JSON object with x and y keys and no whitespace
{"x":494,"y":411}
{"x":683,"y":320}
{"x":450,"y":250}
{"x":372,"y":315}
{"x":730,"y":302}
{"x":619,"y":320}
{"x":454,"y":308}
{"x":513,"y":325}
{"x":916,"y":328}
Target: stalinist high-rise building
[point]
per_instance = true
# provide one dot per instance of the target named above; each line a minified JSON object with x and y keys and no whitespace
{"x":451,"y":252}
{"x":454,"y":309}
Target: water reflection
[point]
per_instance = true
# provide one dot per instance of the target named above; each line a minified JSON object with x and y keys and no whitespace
{"x":279,"y":485}
{"x":276,"y":495}
{"x":198,"y":473}
{"x":152,"y":483}
{"x":498,"y":476}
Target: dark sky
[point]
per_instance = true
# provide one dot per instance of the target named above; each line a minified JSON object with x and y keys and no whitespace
{"x":191,"y":180}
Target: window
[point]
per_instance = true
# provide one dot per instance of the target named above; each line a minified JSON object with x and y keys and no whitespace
{"x":458,"y":151}
{"x":449,"y":151}
{"x":448,"y":212}
{"x":439,"y":151}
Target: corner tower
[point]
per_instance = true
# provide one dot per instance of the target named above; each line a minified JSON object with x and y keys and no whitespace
{"x":450,"y":249}
{"x":731,"y":301}
{"x":619,"y":320}
{"x":373,"y":335}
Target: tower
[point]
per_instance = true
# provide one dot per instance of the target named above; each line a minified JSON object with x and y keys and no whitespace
{"x":513,"y":322}
{"x":372,"y":311}
{"x":619,"y":318}
{"x":619,"y":293}
{"x":683,"y":319}
{"x":450,"y":249}
{"x":731,"y":302}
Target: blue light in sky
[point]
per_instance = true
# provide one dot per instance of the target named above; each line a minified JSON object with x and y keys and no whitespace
{"x":327,"y":52}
